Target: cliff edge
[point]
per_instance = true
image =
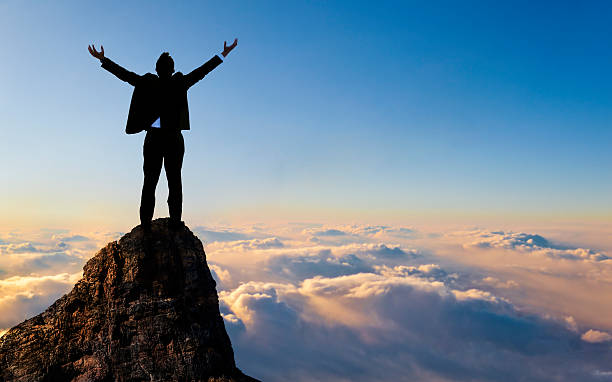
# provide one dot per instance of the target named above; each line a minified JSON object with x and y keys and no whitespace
{"x":146,"y":309}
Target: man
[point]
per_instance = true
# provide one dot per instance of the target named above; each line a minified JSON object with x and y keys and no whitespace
{"x":159,"y":106}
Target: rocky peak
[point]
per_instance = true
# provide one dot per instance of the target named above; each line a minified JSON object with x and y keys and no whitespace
{"x":146,"y":309}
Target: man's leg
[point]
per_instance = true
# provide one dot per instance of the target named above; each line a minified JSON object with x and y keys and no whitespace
{"x":153,"y":157}
{"x":173,"y":162}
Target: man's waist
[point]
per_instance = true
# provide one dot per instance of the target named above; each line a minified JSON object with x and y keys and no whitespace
{"x":164,"y":130}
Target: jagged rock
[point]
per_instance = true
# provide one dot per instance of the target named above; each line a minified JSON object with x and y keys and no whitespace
{"x":146,"y":309}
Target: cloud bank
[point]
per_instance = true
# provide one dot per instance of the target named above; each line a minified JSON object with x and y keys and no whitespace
{"x":371,"y":303}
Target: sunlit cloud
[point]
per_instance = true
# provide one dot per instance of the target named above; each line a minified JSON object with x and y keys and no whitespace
{"x":356,"y":288}
{"x":596,"y":336}
{"x":495,"y":282}
{"x":344,"y":302}
{"x":38,"y":267}
{"x":22,"y":297}
{"x":529,"y":243}
{"x":405,"y":319}
{"x":221,"y":234}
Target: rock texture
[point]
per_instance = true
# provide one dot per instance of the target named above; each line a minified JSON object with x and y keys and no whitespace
{"x":146,"y":309}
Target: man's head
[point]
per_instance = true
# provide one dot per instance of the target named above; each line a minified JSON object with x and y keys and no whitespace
{"x":165,"y":65}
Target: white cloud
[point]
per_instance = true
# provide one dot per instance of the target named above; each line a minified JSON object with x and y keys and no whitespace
{"x":70,"y":238}
{"x":22,"y":297}
{"x":474,"y":294}
{"x":495,"y":282}
{"x":222,"y":276}
{"x":404,"y":326}
{"x":430,"y":271}
{"x":527,"y":243}
{"x":18,"y":248}
{"x":571,"y":323}
{"x":267,"y":243}
{"x":366,"y":303}
{"x":38,"y":267}
{"x":595,"y":336}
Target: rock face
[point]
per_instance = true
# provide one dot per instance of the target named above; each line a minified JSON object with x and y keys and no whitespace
{"x":146,"y":309}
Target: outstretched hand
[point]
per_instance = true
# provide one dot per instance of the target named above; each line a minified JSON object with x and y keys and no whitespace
{"x":227,"y":49}
{"x":92,"y":50}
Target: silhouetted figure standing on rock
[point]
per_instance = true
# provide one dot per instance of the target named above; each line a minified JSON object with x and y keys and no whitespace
{"x":159,"y":106}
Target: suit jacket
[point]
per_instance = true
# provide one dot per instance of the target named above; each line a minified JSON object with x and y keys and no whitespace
{"x":154,"y":97}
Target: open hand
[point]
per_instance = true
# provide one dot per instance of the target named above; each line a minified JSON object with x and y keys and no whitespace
{"x":99,"y":55}
{"x":227,"y":49}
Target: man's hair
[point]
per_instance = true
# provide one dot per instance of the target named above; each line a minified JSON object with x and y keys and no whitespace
{"x":165,"y":64}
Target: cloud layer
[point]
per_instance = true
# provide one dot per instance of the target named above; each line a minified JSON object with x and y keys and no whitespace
{"x":371,"y":303}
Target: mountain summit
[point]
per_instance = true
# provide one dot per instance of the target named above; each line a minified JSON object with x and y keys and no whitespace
{"x":146,"y":309}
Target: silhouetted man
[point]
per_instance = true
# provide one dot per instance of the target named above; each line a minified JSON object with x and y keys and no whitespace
{"x":159,"y":106}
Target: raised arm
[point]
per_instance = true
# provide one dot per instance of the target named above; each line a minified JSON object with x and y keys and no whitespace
{"x":120,"y":72}
{"x":199,"y":73}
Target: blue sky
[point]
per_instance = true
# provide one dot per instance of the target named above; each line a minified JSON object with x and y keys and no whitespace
{"x":459,"y":152}
{"x":324,"y":109}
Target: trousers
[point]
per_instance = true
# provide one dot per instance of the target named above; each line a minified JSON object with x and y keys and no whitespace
{"x":167,"y":147}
